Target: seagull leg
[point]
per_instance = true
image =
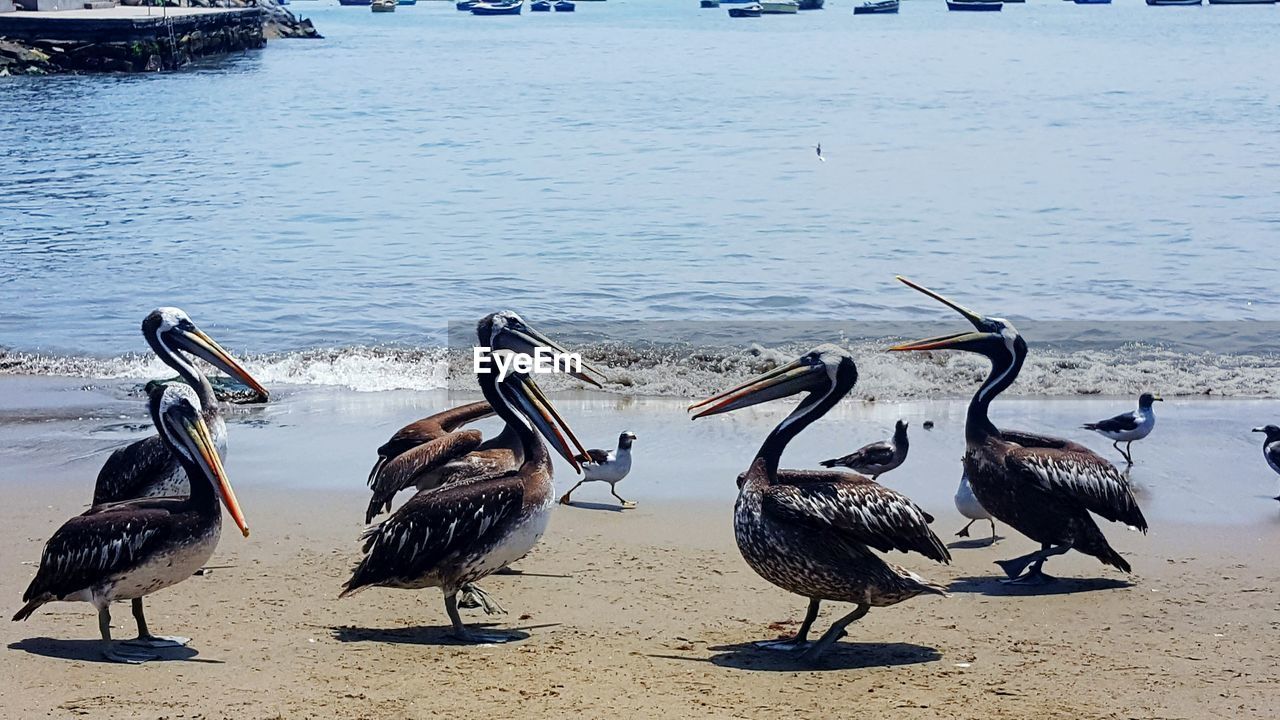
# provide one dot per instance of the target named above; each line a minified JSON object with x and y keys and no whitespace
{"x":993,"y":531}
{"x":461,"y":632}
{"x":1128,"y":451}
{"x":145,"y":638}
{"x":113,"y":651}
{"x":831,"y":636}
{"x":801,"y":640}
{"x":964,"y":531}
{"x":625,"y":503}
{"x":564,"y":499}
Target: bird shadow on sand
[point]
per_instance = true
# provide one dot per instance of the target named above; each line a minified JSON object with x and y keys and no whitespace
{"x":588,"y":505}
{"x":974,"y":543}
{"x":425,"y":634}
{"x":841,"y":656}
{"x":993,"y":587}
{"x":91,"y":651}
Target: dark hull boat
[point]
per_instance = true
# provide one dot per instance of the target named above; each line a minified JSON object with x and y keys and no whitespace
{"x":879,"y":7}
{"x":540,"y":6}
{"x":811,"y":4}
{"x":1175,"y":2}
{"x":498,"y":8}
{"x":565,"y":6}
{"x":466,"y":5}
{"x":364,"y":3}
{"x":709,"y":4}
{"x":975,"y":5}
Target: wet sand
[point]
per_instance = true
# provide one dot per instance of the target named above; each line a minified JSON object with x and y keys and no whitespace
{"x":649,"y":611}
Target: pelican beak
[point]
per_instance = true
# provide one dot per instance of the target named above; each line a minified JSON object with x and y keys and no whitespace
{"x":794,"y":377}
{"x":195,"y":341}
{"x":956,"y":341}
{"x":523,"y":339}
{"x":524,"y":391}
{"x":196,"y":435}
{"x":978,"y":320}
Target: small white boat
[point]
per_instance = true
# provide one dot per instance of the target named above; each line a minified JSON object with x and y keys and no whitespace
{"x":779,"y":7}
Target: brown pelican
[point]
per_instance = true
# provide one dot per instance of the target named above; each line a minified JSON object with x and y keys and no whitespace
{"x":1129,"y":426}
{"x":877,"y":458}
{"x":811,"y":532}
{"x":606,"y":466}
{"x":130,"y":549}
{"x":1043,"y":487}
{"x":147,"y":468}
{"x":1271,"y":447}
{"x":457,"y":533}
{"x":435,"y":450}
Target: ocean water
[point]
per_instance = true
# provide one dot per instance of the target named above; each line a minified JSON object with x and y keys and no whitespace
{"x":331,"y":209}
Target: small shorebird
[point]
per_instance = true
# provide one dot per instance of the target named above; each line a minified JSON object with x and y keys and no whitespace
{"x":876,"y":458}
{"x":1271,"y":447}
{"x":1129,"y":426}
{"x":1043,"y":487}
{"x":455,"y":534}
{"x":130,"y":549}
{"x":818,"y":148}
{"x":967,"y":504}
{"x":606,"y":466}
{"x":811,"y":532}
{"x":147,"y":468}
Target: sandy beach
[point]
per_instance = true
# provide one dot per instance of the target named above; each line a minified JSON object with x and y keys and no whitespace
{"x":645,"y":612}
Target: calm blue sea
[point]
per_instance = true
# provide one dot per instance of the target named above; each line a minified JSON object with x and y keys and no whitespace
{"x":646,"y":159}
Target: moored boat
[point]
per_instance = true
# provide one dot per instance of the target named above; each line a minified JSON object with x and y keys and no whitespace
{"x":498,"y":8}
{"x":363,"y":3}
{"x":466,"y":5}
{"x":381,"y":6}
{"x":975,"y":5}
{"x":540,"y":6}
{"x":779,"y":7}
{"x":565,"y":6}
{"x":1242,"y":2}
{"x":748,"y":10}
{"x":877,"y":7}
{"x":811,"y":4}
{"x":709,"y":4}
{"x":406,"y":2}
{"x":1174,"y":2}
{"x":1093,"y":2}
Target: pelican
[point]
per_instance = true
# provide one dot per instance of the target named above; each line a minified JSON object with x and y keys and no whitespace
{"x":967,"y":504}
{"x":455,"y":534}
{"x":1271,"y":447}
{"x":606,"y":466}
{"x":1129,"y":426}
{"x":877,"y":458}
{"x":811,"y":532}
{"x":1042,"y":486}
{"x":435,"y":450}
{"x":131,"y":549}
{"x":147,"y":468}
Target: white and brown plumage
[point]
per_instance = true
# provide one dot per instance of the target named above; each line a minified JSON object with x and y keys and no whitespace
{"x":130,"y":549}
{"x":1271,"y":447}
{"x":1128,"y":427}
{"x":812,"y":532}
{"x":458,"y":533}
{"x":436,"y":450}
{"x":877,"y":458}
{"x":147,"y":468}
{"x":607,"y":466}
{"x":1043,"y":487}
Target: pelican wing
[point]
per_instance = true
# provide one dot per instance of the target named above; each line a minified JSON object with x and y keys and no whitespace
{"x":427,"y":429}
{"x":404,"y":470}
{"x":433,"y":526}
{"x":106,"y":540}
{"x":130,"y":468}
{"x":1080,"y":476}
{"x":803,"y":477}
{"x":1035,"y":440}
{"x":863,"y":511}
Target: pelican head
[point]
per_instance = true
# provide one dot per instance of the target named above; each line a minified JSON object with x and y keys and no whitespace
{"x":1272,"y":432}
{"x":819,"y":372}
{"x":992,"y":336}
{"x":508,"y":331}
{"x":169,"y":329}
{"x":175,"y":410}
{"x":524,"y":396}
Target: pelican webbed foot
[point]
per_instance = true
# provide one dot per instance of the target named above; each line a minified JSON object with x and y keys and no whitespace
{"x":1034,"y":578}
{"x":787,"y":645}
{"x":1015,"y":567}
{"x":118,"y":652}
{"x":158,"y":641}
{"x":836,"y":632}
{"x":479,"y":637}
{"x":481,"y":599}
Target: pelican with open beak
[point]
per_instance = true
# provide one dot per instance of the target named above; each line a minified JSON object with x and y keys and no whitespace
{"x":455,"y":534}
{"x":131,"y":549}
{"x":147,"y":468}
{"x":1044,"y":487}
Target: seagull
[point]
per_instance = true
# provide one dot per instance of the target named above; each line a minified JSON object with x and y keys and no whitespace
{"x":1128,"y":427}
{"x":967,"y":504}
{"x":605,"y":466}
{"x":1271,"y":447}
{"x":818,"y":148}
{"x":877,"y":458}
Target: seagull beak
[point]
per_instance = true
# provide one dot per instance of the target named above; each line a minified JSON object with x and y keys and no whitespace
{"x":798,"y":376}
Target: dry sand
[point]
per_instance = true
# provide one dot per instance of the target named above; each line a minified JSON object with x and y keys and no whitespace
{"x":643,"y":613}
